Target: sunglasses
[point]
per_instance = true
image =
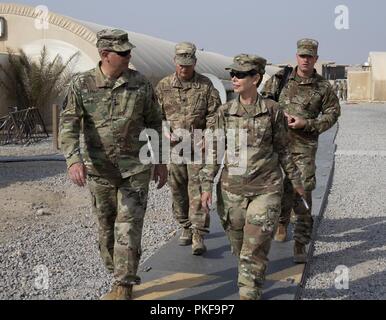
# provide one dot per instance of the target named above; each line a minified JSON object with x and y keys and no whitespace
{"x":242,"y":75}
{"x":123,"y":54}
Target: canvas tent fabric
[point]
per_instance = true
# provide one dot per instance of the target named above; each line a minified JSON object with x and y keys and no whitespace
{"x":152,"y":57}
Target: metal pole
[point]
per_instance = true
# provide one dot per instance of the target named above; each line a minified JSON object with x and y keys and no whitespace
{"x":55,"y":125}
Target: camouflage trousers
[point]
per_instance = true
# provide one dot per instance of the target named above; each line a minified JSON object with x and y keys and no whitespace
{"x":185,"y":186}
{"x":120,"y":206}
{"x":249,"y":223}
{"x":292,"y":201}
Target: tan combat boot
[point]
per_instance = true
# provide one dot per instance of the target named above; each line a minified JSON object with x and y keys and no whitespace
{"x":247,"y":298}
{"x":124,"y":293}
{"x":281,"y":233}
{"x":186,"y":237}
{"x":300,"y":253}
{"x":119,"y":292}
{"x":198,"y":246}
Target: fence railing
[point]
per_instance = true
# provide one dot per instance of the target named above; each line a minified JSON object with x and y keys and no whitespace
{"x":21,"y":127}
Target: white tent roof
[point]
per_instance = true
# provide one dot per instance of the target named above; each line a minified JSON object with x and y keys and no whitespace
{"x":153,"y":57}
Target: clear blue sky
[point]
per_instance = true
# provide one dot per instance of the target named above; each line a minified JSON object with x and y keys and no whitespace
{"x":268,"y":28}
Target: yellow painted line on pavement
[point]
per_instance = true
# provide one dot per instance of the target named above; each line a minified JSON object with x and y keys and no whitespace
{"x":294,"y":273}
{"x":174,"y":283}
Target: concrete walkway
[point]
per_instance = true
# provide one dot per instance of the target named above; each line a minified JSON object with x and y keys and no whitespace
{"x":174,"y":274}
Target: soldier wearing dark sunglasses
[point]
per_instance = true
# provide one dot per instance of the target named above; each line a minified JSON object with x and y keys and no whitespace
{"x":112,"y":104}
{"x":249,"y":203}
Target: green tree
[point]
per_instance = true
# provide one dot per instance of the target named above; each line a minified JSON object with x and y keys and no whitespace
{"x":35,"y":83}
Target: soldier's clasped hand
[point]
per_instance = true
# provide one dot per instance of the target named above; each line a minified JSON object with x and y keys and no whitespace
{"x":295,"y":122}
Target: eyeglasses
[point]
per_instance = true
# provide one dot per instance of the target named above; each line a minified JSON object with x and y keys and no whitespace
{"x":124,"y":53}
{"x":242,"y":75}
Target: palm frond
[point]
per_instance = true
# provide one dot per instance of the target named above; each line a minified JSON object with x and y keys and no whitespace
{"x":35,"y":83}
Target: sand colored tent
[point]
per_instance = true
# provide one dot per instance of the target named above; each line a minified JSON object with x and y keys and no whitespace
{"x":152,"y":57}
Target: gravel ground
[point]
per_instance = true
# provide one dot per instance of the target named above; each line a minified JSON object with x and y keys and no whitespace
{"x":352,"y":232}
{"x":44,"y":147}
{"x":46,"y":225}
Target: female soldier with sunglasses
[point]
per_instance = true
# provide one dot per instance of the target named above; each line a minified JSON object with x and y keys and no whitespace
{"x":249,"y":201}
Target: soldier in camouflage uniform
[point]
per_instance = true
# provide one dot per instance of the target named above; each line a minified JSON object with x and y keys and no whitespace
{"x":249,"y":202}
{"x":113,"y":104}
{"x":335,"y":87}
{"x":311,"y":108}
{"x":188,"y":101}
{"x":340,"y":90}
{"x":344,"y":90}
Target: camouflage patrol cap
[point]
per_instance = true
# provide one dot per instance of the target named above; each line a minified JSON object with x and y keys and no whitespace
{"x":246,"y":62}
{"x":185,"y":54}
{"x":308,"y":47}
{"x":113,"y":40}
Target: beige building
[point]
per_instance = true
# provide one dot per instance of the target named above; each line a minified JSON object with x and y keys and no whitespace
{"x":369,"y":82}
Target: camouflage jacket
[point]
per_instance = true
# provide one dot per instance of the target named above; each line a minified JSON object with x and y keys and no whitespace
{"x":111,"y":116}
{"x":313,"y":99}
{"x":189,"y":106}
{"x":266,"y":146}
